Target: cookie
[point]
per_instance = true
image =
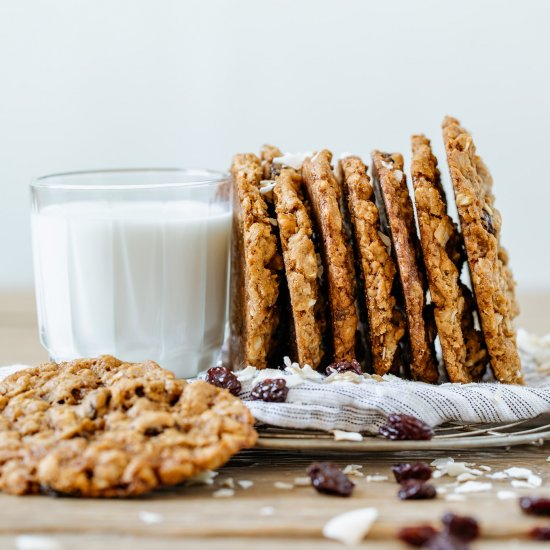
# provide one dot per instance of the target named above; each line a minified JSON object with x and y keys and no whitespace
{"x":255,"y":266}
{"x":324,"y":195}
{"x":397,"y":217}
{"x":104,"y":428}
{"x":376,"y":268}
{"x":488,"y":262}
{"x":462,"y":345}
{"x":295,"y":233}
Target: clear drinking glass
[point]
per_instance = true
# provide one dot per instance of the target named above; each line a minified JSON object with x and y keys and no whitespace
{"x":133,"y":263}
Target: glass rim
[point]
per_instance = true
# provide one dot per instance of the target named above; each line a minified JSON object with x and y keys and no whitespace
{"x":51,"y":181}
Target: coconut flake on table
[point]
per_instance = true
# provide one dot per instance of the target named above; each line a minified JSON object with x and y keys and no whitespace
{"x":474,"y":487}
{"x":228,"y":482}
{"x":223,"y":493}
{"x":245,"y":483}
{"x":505,"y":495}
{"x":448,"y":466}
{"x":455,"y":497}
{"x":353,"y":470}
{"x":531,"y":483}
{"x":341,"y":435}
{"x":204,"y":478}
{"x":150,"y":517}
{"x":302,"y":481}
{"x":283,"y":485}
{"x":351,"y":527}
{"x":293,"y":160}
{"x":36,"y":542}
{"x":376,"y":477}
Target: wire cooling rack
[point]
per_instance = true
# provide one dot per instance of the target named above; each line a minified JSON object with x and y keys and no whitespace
{"x":447,"y":437}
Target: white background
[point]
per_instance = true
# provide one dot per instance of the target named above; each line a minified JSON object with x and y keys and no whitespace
{"x":121,"y":83}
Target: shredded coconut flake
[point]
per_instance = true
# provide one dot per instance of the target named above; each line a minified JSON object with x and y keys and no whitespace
{"x":531,"y":482}
{"x":294,"y":160}
{"x":518,"y":473}
{"x":245,"y":483}
{"x":351,"y":527}
{"x":204,"y":478}
{"x":223,"y":493}
{"x":150,"y":517}
{"x":505,"y":495}
{"x":454,"y":497}
{"x":302,"y":481}
{"x":376,"y":478}
{"x":353,"y":470}
{"x":473,"y":487}
{"x":283,"y":485}
{"x":340,"y":435}
{"x":34,"y":542}
{"x":228,"y":482}
{"x":497,"y":475}
{"x":466,"y":476}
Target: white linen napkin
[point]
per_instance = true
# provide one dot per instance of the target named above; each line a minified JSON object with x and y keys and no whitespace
{"x":361,"y":403}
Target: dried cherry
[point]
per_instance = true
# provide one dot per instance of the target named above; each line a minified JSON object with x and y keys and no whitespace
{"x":540,"y":533}
{"x":464,"y":528}
{"x":416,"y":470}
{"x":414,"y":489}
{"x":344,"y":366}
{"x":326,"y":477}
{"x":538,"y":506}
{"x":404,"y":426}
{"x":222,"y":377}
{"x":417,"y":535}
{"x":273,"y":390}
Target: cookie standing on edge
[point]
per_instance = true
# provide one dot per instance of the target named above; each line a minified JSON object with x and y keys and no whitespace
{"x":104,"y":428}
{"x":255,"y":264}
{"x":300,"y":259}
{"x":397,"y":213}
{"x":491,"y":277}
{"x":462,"y":345}
{"x":386,"y":323}
{"x":324,"y":195}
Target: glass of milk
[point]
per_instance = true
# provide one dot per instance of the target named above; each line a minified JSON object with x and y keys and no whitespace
{"x":133,"y":263}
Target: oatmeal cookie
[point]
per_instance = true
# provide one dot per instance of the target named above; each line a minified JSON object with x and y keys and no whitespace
{"x":397,"y":217}
{"x":300,"y":260}
{"x":104,"y":428}
{"x":324,"y":196}
{"x":491,"y":277}
{"x":376,"y":267}
{"x":462,"y":345}
{"x":255,"y":266}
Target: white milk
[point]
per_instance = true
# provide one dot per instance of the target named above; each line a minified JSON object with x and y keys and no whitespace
{"x":142,"y":280}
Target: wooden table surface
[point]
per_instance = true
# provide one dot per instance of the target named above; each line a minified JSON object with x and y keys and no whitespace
{"x":263,"y":515}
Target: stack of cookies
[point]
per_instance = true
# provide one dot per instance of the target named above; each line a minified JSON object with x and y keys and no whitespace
{"x":327,"y":265}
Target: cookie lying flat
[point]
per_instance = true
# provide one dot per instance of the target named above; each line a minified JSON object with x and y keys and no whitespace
{"x":377,"y":270}
{"x":104,"y":428}
{"x":324,"y":195}
{"x":397,"y":213}
{"x":255,"y":264}
{"x":491,"y":277}
{"x":462,"y":345}
{"x":300,"y":260}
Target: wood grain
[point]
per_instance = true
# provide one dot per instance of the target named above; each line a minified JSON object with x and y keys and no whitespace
{"x":194,"y":518}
